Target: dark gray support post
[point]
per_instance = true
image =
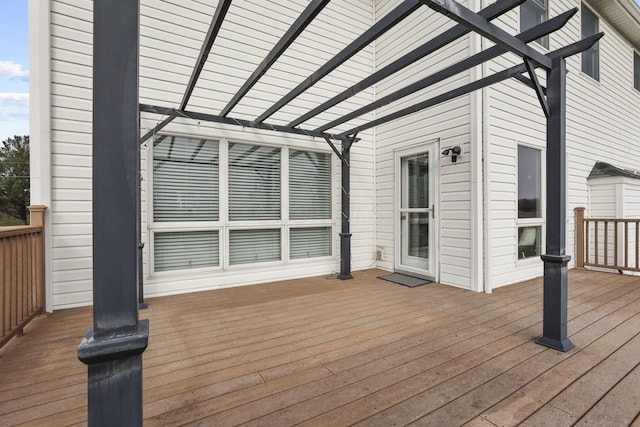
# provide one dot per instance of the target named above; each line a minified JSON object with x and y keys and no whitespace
{"x":113,"y":347}
{"x":554,"y":329}
{"x":345,"y":234}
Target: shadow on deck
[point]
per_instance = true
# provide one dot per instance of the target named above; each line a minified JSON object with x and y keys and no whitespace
{"x":321,"y":351}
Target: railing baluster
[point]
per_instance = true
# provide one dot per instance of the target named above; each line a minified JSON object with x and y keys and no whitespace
{"x":586,"y":242}
{"x":595,"y":236}
{"x":606,"y":243}
{"x":626,"y":244}
{"x":616,"y":262}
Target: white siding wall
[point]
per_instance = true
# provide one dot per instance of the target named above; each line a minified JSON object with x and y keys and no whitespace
{"x":450,"y":122}
{"x":601,"y":125}
{"x":171,"y":36}
{"x":71,"y":96}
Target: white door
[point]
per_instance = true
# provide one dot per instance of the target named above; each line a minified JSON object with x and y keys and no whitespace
{"x":415,"y":216}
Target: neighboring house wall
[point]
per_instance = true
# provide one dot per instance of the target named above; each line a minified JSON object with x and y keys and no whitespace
{"x":601,"y":125}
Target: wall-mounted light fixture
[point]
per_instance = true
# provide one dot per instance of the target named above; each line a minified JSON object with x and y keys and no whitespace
{"x":454,"y":151}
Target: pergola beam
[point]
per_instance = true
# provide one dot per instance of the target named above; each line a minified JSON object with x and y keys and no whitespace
{"x":214,"y":28}
{"x":537,"y":87}
{"x":145,"y":108}
{"x":472,"y":20}
{"x":406,"y":8}
{"x":306,"y":17}
{"x":570,"y":50}
{"x":491,"y":12}
{"x":157,"y":128}
{"x":531,"y":34}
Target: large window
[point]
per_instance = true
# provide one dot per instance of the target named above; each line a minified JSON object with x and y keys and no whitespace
{"x":529,"y":202}
{"x":591,"y":57}
{"x":636,"y":70}
{"x":222,"y":203}
{"x":532,"y":13}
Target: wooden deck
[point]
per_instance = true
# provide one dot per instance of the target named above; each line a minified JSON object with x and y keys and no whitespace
{"x":326,"y":352}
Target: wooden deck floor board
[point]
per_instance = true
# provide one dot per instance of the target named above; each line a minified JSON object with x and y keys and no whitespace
{"x":504,"y":385}
{"x":320,"y":351}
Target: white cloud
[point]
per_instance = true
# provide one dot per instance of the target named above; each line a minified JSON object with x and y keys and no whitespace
{"x":16,"y":98}
{"x":13,"y":106}
{"x":11,"y":70}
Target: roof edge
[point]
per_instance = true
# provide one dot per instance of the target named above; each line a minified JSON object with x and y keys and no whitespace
{"x":603,"y":169}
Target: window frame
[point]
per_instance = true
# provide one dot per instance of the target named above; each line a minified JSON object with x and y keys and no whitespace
{"x":593,"y":50}
{"x":224,"y":225}
{"x":543,"y":42}
{"x":531,"y":222}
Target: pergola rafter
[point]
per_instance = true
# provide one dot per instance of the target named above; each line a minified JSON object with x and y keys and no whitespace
{"x":114,"y":345}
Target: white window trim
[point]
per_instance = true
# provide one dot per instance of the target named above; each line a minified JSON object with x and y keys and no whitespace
{"x":224,"y":225}
{"x":532,"y":222}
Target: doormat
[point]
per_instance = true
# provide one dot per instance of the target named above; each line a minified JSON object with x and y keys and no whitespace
{"x":404,"y":280}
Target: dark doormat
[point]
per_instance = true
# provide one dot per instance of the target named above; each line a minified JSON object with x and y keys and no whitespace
{"x":404,"y":280}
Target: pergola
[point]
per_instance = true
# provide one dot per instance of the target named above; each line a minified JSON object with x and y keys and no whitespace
{"x":114,"y":345}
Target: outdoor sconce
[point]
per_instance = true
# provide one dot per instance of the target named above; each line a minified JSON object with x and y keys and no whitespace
{"x":454,"y":151}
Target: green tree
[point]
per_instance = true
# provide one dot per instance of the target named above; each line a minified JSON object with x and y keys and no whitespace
{"x":14,"y":177}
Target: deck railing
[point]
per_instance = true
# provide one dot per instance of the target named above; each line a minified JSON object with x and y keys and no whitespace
{"x":607,"y":242}
{"x":21,"y":274}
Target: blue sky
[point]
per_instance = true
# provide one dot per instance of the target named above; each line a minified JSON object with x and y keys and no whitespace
{"x":14,"y":68}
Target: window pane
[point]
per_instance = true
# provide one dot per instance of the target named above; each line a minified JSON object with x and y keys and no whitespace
{"x":590,"y":58}
{"x":185,"y":179}
{"x":529,"y":183}
{"x":636,"y":70}
{"x":186,"y":250}
{"x":529,"y":242}
{"x":309,"y":185}
{"x":418,"y":182}
{"x":251,"y":246}
{"x":532,"y":13}
{"x":418,"y":234}
{"x":309,"y":242}
{"x":254,"y":182}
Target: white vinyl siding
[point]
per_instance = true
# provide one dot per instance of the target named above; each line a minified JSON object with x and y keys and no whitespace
{"x":601,"y":124}
{"x":447,"y":124}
